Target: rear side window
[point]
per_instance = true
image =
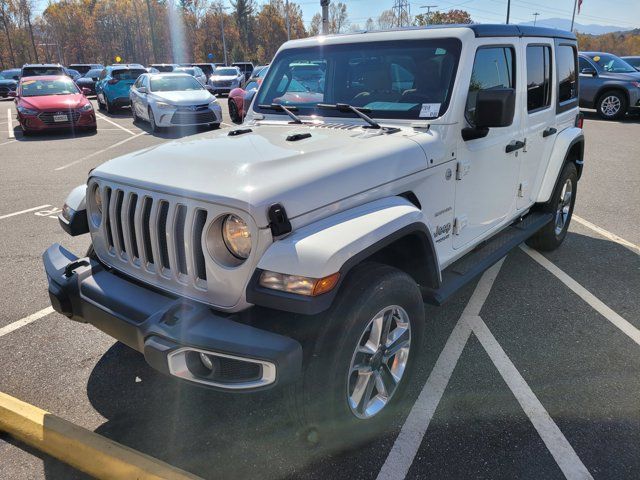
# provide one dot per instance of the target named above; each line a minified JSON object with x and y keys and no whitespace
{"x":538,"y":77}
{"x":566,"y":67}
{"x":493,"y":67}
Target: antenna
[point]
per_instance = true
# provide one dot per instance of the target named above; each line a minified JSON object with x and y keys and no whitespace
{"x":402,"y":11}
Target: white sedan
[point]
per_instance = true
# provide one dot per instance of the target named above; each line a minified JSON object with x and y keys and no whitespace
{"x":173,"y":99}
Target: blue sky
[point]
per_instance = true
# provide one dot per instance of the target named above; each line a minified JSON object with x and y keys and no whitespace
{"x":623,"y":13}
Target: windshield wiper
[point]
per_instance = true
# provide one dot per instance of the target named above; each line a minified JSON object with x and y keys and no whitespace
{"x":282,"y":108}
{"x":345,"y":107}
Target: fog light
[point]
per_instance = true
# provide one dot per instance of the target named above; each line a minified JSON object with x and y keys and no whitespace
{"x":310,"y":287}
{"x":206,"y":361}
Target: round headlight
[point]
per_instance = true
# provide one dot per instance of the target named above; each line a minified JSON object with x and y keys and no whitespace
{"x":236,"y":236}
{"x":95,"y":199}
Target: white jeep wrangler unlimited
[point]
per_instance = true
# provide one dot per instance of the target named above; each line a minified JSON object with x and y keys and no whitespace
{"x":299,"y":247}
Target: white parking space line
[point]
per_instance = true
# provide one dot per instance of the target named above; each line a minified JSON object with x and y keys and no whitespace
{"x":226,"y":124}
{"x":627,"y":328}
{"x":415,"y":426}
{"x":406,"y":446}
{"x":9,"y":124}
{"x":98,"y":152}
{"x":7,"y":143}
{"x":102,"y":117}
{"x":2,"y":217}
{"x":559,"y":447}
{"x":25,"y":321}
{"x":607,"y":234}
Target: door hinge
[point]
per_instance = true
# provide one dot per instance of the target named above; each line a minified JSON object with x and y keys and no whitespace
{"x":522,"y":189}
{"x":462,"y":168}
{"x":459,"y":223}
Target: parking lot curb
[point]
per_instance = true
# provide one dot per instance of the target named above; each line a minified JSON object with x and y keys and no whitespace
{"x":81,"y":448}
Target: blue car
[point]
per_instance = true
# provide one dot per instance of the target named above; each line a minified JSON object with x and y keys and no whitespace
{"x":113,"y":85}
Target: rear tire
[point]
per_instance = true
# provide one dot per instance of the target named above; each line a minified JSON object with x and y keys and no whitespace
{"x":561,"y":205}
{"x":110,"y":108}
{"x":612,"y":105}
{"x":233,"y":112}
{"x":347,"y":364}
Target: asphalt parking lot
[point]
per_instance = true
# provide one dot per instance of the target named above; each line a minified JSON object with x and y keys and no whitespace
{"x":533,"y":372}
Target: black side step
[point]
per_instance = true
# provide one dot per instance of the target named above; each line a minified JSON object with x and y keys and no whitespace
{"x":474,"y":263}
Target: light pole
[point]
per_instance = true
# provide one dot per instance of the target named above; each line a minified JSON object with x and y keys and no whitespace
{"x":429,"y":7}
{"x":508,"y":10}
{"x":286,"y":6}
{"x":573,"y":17}
{"x":325,"y":16}
{"x":535,"y":18}
{"x":224,"y":43}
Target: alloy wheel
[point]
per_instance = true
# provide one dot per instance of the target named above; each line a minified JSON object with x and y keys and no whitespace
{"x":611,"y":105}
{"x":379,"y":362}
{"x":564,"y":206}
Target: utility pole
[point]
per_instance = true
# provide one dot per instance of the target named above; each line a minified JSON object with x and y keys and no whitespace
{"x":428,"y":15}
{"x":153,"y":32}
{"x":224,"y":42}
{"x":286,"y":6}
{"x":535,"y":18}
{"x":325,"y":16}
{"x":573,"y":17}
{"x":508,"y":10}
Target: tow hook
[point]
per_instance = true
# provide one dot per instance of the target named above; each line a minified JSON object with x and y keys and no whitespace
{"x":69,"y":269}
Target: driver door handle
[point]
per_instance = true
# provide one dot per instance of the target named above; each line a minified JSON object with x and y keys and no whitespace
{"x":548,"y":132}
{"x":513,"y":146}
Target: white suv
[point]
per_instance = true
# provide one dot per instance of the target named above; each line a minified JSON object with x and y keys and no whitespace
{"x":298,"y":248}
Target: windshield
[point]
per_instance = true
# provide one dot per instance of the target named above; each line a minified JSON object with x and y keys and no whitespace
{"x":163,"y":68}
{"x":226,"y":72}
{"x":207,"y":69}
{"x":611,"y":63}
{"x":174,"y":84}
{"x":36,"y":88}
{"x":10,"y":75}
{"x":93,"y":73}
{"x":634,"y":61}
{"x":400,"y":79}
{"x":81,"y":68}
{"x":41,"y":71}
{"x":127,"y":74}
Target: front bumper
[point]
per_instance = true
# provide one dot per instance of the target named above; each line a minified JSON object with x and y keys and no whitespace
{"x":175,"y":118}
{"x":170,"y":332}
{"x":41,"y":122}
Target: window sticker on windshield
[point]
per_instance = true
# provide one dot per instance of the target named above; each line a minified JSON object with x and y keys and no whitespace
{"x":430,"y":110}
{"x":596,"y":58}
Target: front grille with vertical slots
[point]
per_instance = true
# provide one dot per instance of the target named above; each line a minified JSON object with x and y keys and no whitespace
{"x":161,"y":239}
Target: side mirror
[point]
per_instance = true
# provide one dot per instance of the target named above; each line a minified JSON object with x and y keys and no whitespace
{"x":142,"y":90}
{"x":209,"y":89}
{"x":12,"y":94}
{"x":495,"y":108}
{"x":86,"y":91}
{"x":588,"y":71}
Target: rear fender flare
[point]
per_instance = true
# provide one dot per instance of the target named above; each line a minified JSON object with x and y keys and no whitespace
{"x":565,"y":141}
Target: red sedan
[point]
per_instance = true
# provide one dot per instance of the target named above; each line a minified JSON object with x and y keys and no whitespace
{"x":52,"y":102}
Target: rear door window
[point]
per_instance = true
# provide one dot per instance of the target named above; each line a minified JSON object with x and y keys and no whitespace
{"x":538,"y":77}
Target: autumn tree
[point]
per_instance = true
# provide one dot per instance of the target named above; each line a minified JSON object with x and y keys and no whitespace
{"x":442,"y":18}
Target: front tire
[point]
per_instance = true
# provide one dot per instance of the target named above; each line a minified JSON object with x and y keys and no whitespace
{"x":612,"y":105}
{"x":110,"y":108}
{"x":152,"y":122}
{"x":364,"y":356}
{"x":233,"y":112}
{"x":561,"y":205}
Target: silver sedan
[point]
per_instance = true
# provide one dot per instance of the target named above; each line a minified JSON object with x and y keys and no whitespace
{"x":173,"y":99}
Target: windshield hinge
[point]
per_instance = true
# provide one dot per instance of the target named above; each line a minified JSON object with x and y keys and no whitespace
{"x":462,"y":168}
{"x":278,"y":220}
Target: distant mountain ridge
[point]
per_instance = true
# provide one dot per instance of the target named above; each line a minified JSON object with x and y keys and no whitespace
{"x":565,"y":24}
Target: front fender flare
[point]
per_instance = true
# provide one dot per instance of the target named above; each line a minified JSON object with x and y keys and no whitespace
{"x":337,"y":244}
{"x":73,"y":218}
{"x":564,"y":142}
